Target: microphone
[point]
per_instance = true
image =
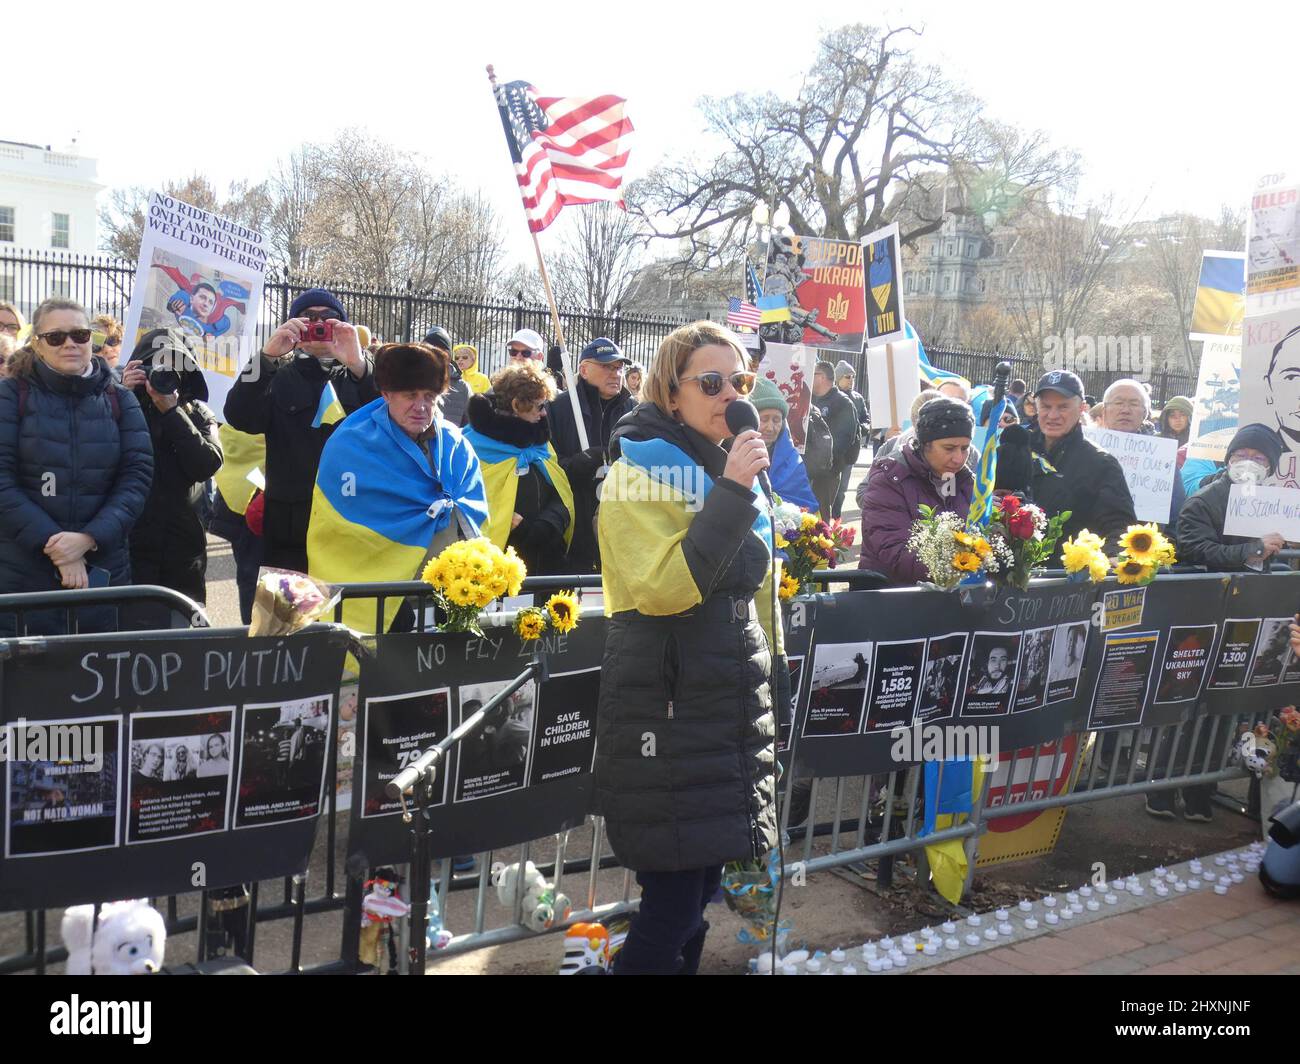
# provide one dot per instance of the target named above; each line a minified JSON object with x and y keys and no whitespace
{"x":742,"y":415}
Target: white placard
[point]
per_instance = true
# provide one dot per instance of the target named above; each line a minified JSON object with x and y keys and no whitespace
{"x":1256,"y":510}
{"x":893,"y":381}
{"x":202,"y":274}
{"x":1218,"y":398}
{"x":1270,"y":383}
{"x":790,"y":368}
{"x":1148,"y":463}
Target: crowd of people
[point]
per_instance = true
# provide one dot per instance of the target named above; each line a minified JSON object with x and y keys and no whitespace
{"x":113,"y":473}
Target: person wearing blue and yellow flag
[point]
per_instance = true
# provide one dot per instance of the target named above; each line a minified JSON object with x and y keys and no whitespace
{"x":396,"y":482}
{"x":684,"y":748}
{"x":530,"y":503}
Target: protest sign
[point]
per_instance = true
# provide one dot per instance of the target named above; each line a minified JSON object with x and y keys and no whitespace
{"x":1215,"y":409}
{"x":200,"y":273}
{"x":790,"y":368}
{"x":893,"y":381}
{"x":885,"y":322}
{"x":1273,"y":243}
{"x":824,"y":286}
{"x":1148,"y":463}
{"x":1270,"y":384}
{"x":1220,"y":296}
{"x":1258,"y":509}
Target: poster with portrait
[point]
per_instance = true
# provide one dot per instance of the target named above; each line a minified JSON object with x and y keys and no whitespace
{"x":943,"y":660}
{"x":1272,"y":650}
{"x":895,"y":685}
{"x":790,"y":368}
{"x":837,"y":689}
{"x":1187,"y":657}
{"x":398,"y":729}
{"x":202,"y":274}
{"x":179,"y":782}
{"x":823,"y":283}
{"x":1273,"y":240}
{"x":284,"y":747}
{"x":495,"y":759}
{"x":1216,"y":405}
{"x":57,"y":803}
{"x":1270,"y":384}
{"x":1127,"y":664}
{"x":991,"y":674}
{"x":1234,"y":654}
{"x":1035,"y":662}
{"x":1068,"y":646}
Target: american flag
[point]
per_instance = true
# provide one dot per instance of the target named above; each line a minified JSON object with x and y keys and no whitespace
{"x":742,"y":313}
{"x":566,"y":149}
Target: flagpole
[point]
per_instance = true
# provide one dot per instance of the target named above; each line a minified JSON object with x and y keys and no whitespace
{"x":565,"y":360}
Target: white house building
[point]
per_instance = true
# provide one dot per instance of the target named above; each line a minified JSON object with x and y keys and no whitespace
{"x":47,"y":199}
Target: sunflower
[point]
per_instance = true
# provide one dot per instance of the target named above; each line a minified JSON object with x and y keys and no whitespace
{"x":965,"y":561}
{"x":982,"y":548}
{"x":789,"y":586}
{"x":530,"y":624}
{"x":964,"y":539}
{"x":563,"y":608}
{"x":1142,"y":543}
{"x":1133,"y":571}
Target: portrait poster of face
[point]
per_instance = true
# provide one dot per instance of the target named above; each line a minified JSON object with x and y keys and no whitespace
{"x":1068,"y":646}
{"x":943,"y":660}
{"x":1270,"y":385}
{"x":991,"y":674}
{"x":1035,"y":658}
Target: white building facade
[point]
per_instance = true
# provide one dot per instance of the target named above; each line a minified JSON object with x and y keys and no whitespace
{"x":47,"y":200}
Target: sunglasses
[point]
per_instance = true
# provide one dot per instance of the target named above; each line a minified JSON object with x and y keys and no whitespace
{"x":58,"y":336}
{"x":711,"y":383}
{"x":519,"y":352}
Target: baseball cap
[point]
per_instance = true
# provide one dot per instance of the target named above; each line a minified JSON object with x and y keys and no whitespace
{"x":529,"y":338}
{"x":1060,"y":380}
{"x":604,"y":351}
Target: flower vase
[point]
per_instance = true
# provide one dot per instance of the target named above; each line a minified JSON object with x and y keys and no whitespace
{"x":1274,"y":791}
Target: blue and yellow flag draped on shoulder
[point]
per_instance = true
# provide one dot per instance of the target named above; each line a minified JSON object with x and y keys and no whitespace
{"x":647,"y":502}
{"x":502,"y":465}
{"x":378,"y":503}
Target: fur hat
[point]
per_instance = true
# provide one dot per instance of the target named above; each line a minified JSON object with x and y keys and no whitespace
{"x":411,"y":368}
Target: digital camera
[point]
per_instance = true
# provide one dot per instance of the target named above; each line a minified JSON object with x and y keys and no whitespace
{"x":164,"y":381}
{"x":319,"y":332}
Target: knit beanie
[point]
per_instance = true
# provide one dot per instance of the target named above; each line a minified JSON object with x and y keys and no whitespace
{"x":1259,"y":438}
{"x":844,"y":366}
{"x":767,"y":396}
{"x":1180,"y":404}
{"x":317,"y":297}
{"x":944,"y":418}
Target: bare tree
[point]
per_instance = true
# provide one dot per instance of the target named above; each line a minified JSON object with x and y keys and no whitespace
{"x":599,"y":256}
{"x":868,"y":121}
{"x":122,"y":219}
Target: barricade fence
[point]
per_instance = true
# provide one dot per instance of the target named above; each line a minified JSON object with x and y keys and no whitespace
{"x":1081,"y":738}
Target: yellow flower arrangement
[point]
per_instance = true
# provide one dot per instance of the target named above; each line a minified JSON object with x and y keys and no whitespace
{"x":789,"y":587}
{"x":1098,"y":567}
{"x":1143,"y":543}
{"x":469,"y":575}
{"x":1132,"y":571}
{"x":966,"y":561}
{"x":563,"y":608}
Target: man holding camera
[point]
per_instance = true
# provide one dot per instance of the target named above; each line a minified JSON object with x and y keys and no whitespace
{"x":279,"y":396}
{"x":168,"y":543}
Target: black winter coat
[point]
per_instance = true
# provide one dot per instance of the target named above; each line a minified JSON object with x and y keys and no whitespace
{"x":67,"y":464}
{"x":699,"y":683}
{"x":1088,"y":482}
{"x":1200,"y":530}
{"x":842,"y":419}
{"x":600,"y":416}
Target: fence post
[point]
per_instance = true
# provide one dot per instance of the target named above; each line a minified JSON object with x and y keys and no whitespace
{"x":618,"y":325}
{"x":519,"y":311}
{"x":409,"y":303}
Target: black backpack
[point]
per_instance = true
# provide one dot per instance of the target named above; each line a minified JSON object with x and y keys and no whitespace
{"x":819,"y":445}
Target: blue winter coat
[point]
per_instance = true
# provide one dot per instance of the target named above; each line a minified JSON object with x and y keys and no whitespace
{"x":67,"y":464}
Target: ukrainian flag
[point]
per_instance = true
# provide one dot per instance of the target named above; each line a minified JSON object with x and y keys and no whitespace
{"x":329,"y":410}
{"x":379,"y":501}
{"x":1220,"y":295}
{"x":242,"y":454}
{"x":502,"y":467}
{"x":933,"y":376}
{"x":986,"y":438}
{"x":772,"y":309}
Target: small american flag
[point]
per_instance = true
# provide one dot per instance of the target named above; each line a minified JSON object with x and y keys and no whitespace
{"x":742,"y":313}
{"x":566,"y":149}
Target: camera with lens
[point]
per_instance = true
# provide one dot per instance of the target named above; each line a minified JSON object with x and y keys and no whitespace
{"x":319,"y":332}
{"x":164,"y":380}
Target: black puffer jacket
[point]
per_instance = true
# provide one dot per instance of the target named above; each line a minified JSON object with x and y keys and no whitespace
{"x":1200,"y":530}
{"x":695,"y":682}
{"x":842,"y":419}
{"x":1087,"y":481}
{"x":69,"y":462}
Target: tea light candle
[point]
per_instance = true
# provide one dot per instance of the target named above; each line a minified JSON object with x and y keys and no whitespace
{"x":1076,"y":907}
{"x":875,"y":964}
{"x":1220,"y":860}
{"x":789,"y":969}
{"x":991,"y":933}
{"x":900,"y":961}
{"x":1031,"y":924}
{"x":931,"y":948}
{"x":1004,"y":928}
{"x":909,"y":944}
{"x":1136,"y":889}
{"x":813,"y":965}
{"x":1161,"y":890}
{"x":887,"y":944}
{"x":973,"y":920}
{"x":1193,"y":884}
{"x":1002,"y":915}
{"x":1209,"y":876}
{"x":1051,"y":917}
{"x":1067,"y":913}
{"x":1180,"y":887}
{"x":1085,"y":892}
{"x":848,"y":969}
{"x":1160,"y":871}
{"x":886,"y":964}
{"x":1072,"y":897}
{"x":948,"y":927}
{"x":868,"y":950}
{"x":1050,"y":902}
{"x":1026,"y":905}
{"x":1237,"y":877}
{"x":1195,"y":866}
{"x":1220,"y":888}
{"x":1111,"y":899}
{"x":951,"y":943}
{"x":972,"y":939}
{"x":837,"y":955}
{"x":1093,"y":905}
{"x":1118,"y":884}
{"x":928,"y":933}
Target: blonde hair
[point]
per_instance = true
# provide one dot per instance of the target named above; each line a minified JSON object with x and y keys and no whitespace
{"x":25,"y":357}
{"x":920,"y":401}
{"x":108,"y":325}
{"x":18,"y":314}
{"x":527,"y":382}
{"x":663,"y":377}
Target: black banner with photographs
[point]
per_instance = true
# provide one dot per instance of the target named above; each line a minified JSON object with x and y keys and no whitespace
{"x":140,"y":766}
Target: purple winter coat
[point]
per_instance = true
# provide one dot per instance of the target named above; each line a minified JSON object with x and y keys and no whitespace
{"x":890,"y":499}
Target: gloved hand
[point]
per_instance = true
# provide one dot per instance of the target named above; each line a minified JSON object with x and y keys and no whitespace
{"x":585,"y":463}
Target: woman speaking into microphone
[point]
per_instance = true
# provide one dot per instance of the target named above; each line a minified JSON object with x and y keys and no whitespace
{"x":684,"y":748}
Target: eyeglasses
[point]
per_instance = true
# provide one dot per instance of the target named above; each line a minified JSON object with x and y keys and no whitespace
{"x":319,"y":315}
{"x":11,"y":329}
{"x":57,"y":337}
{"x":711,"y":383}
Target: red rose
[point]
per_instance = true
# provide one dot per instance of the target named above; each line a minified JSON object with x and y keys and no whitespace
{"x":1021,"y":525}
{"x":1010,"y":504}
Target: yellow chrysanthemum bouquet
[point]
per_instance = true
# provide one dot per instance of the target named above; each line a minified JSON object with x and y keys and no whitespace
{"x":468,"y":576}
{"x":1145,"y":550}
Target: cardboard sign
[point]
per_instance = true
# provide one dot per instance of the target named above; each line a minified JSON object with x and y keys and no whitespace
{"x":1148,"y":463}
{"x":1256,"y":510}
{"x":893,"y":381}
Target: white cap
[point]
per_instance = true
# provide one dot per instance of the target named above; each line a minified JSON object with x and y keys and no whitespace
{"x":530,"y":338}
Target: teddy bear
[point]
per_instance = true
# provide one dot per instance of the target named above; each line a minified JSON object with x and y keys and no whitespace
{"x":542,"y":906}
{"x":128,"y":938}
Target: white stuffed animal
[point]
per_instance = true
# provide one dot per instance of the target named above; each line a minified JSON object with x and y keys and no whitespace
{"x":542,"y":907}
{"x":128,"y":938}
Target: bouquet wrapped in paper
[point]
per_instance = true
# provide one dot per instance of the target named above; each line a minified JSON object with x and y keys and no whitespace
{"x":286,"y":601}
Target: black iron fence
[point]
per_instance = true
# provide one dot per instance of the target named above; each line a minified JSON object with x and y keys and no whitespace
{"x":103,"y":284}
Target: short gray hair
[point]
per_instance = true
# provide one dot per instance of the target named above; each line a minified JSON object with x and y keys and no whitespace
{"x":1130,"y":383}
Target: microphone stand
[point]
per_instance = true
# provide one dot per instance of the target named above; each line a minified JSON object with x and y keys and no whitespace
{"x":417,"y":779}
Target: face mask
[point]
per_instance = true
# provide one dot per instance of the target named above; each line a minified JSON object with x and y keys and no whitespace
{"x":1247,"y":471}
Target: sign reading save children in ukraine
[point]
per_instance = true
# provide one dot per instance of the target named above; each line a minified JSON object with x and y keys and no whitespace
{"x":200,"y":273}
